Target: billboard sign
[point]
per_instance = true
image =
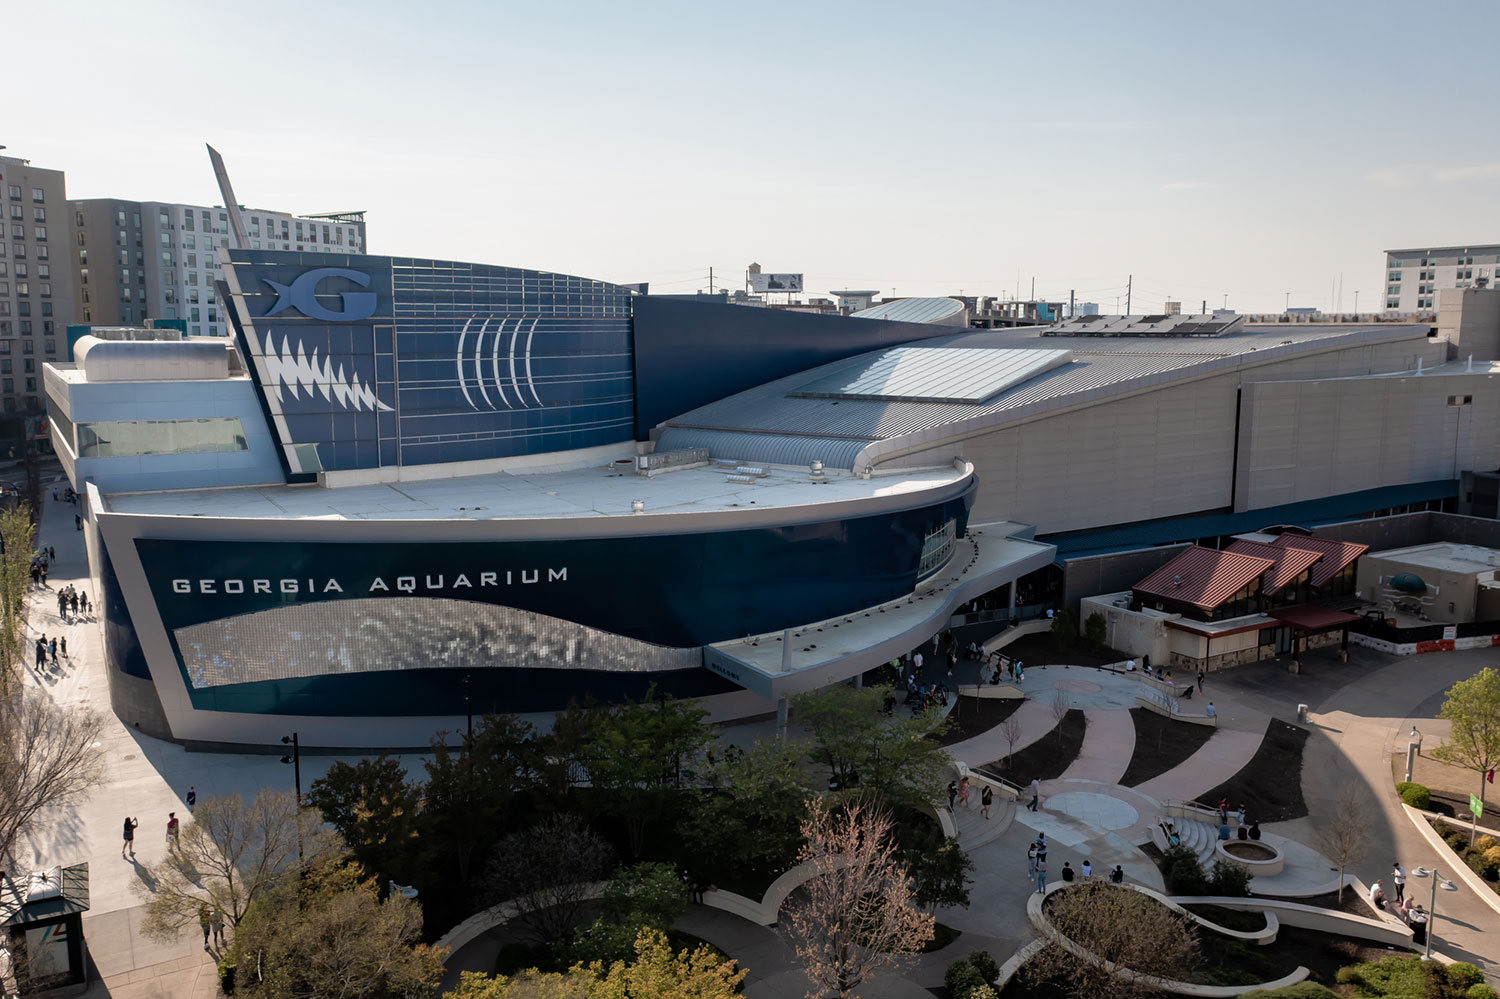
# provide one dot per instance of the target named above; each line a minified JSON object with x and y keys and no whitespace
{"x":761,"y":283}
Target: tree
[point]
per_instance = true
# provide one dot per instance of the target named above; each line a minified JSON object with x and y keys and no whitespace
{"x":857,"y":913}
{"x":643,"y":896}
{"x":641,"y":753}
{"x":1065,"y":628}
{"x":1010,"y":730}
{"x":1095,"y":630}
{"x":1117,"y":929}
{"x":17,"y":545}
{"x":229,"y":853}
{"x":548,"y":871}
{"x":1472,"y":709}
{"x":1344,"y":833}
{"x":1059,"y":706}
{"x":655,"y":973}
{"x":471,"y":787}
{"x":894,"y":758}
{"x":939,"y":873}
{"x":375,"y":808}
{"x":329,"y":935}
{"x":47,"y":758}
{"x":751,"y":813}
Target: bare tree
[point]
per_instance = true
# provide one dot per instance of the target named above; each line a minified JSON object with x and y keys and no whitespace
{"x":1059,"y":706}
{"x":547,"y":871}
{"x":230,"y":853}
{"x":857,"y":913}
{"x":1010,"y":729}
{"x":47,"y":758}
{"x":1126,"y":943}
{"x":1344,"y":833}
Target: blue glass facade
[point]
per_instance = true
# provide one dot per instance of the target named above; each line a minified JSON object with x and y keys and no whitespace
{"x":364,"y":362}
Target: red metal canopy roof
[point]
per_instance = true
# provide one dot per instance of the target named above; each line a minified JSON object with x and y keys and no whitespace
{"x":1204,"y":577}
{"x":1336,"y":554}
{"x":1310,"y":617}
{"x":1290,"y":562}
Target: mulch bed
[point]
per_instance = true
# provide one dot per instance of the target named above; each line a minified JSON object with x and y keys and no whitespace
{"x":972,"y":715}
{"x":1042,"y":650}
{"x":1352,"y":903}
{"x":1270,"y":785}
{"x":1047,"y":758}
{"x":1160,"y":745}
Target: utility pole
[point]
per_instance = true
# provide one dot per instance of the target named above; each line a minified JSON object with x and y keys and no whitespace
{"x":1205,"y":308}
{"x":710,"y":280}
{"x":1129,"y":280}
{"x":1033,"y":287}
{"x":1072,"y":311}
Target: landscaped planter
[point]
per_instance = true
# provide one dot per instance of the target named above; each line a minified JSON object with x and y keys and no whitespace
{"x":1258,"y":857}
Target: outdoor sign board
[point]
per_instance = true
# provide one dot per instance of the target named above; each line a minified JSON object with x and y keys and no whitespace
{"x":761,"y":283}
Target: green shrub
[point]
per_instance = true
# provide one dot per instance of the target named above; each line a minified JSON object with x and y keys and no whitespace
{"x":1231,"y":880}
{"x":986,"y":965}
{"x":1095,"y":630}
{"x":962,"y":978}
{"x":1493,"y":855}
{"x":1462,"y":975}
{"x":1065,"y":628}
{"x":1458,"y":841}
{"x":1485,"y":844}
{"x":226,"y":975}
{"x":1394,"y":976}
{"x":1302,"y":990}
{"x":1481,"y":991}
{"x":1482,"y":865}
{"x":1184,"y":875}
{"x":1415,"y":795}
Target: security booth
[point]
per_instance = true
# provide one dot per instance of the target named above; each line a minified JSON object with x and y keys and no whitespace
{"x":42,"y":918}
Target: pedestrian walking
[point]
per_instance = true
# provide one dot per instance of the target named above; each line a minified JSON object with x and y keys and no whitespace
{"x":1398,"y":879}
{"x":41,"y":655}
{"x":952,"y":793}
{"x":1036,"y":795}
{"x":77,"y":522}
{"x":1041,"y":877}
{"x":62,"y":643}
{"x":73,"y":602}
{"x":174,"y":829}
{"x":1086,"y":869}
{"x":218,"y":926}
{"x":1200,"y":681}
{"x":205,"y":921}
{"x":129,"y":843}
{"x":52,"y":649}
{"x":963,"y":791}
{"x":1031,"y":862}
{"x":986,"y":798}
{"x":191,"y":797}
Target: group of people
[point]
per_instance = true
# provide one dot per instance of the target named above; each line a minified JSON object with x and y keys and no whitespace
{"x":1036,"y":866}
{"x":69,"y":601}
{"x":43,"y":558}
{"x":1408,"y":910}
{"x":961,"y":793}
{"x":46,"y":648}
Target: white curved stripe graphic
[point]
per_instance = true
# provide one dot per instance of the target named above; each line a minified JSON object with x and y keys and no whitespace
{"x":459,"y":360}
{"x":514,"y":381}
{"x":495,"y":364}
{"x":478,"y":371}
{"x":291,"y":370}
{"x":529,"y":383}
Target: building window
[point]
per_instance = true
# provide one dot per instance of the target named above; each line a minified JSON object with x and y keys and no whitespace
{"x":39,"y":215}
{"x":37,"y":194}
{"x":118,"y":438}
{"x":15,"y":192}
{"x":41,"y":233}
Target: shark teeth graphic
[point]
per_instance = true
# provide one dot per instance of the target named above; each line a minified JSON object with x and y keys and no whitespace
{"x":289,"y":370}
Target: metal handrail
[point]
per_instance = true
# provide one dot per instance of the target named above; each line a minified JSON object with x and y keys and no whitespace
{"x":993,"y":779}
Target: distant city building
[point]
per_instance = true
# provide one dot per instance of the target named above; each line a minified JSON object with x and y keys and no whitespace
{"x":147,"y":259}
{"x":1086,"y":309}
{"x":1172,"y":308}
{"x":1414,"y":277}
{"x":36,"y":300}
{"x":854,"y":301}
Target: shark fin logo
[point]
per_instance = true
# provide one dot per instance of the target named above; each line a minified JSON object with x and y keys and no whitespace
{"x":302,"y":295}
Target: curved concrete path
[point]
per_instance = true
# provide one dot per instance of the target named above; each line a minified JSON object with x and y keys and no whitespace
{"x":1219,"y":759}
{"x":1108,"y":742}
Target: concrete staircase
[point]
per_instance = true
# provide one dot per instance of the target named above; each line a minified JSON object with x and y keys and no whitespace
{"x":1199,"y":837}
{"x":975,"y":831}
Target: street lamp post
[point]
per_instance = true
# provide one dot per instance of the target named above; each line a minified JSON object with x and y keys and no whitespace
{"x":295,"y":759}
{"x":1437,"y":878}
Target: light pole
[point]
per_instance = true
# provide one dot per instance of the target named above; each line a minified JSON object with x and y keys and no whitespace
{"x":1288,"y":302}
{"x":1356,"y":305}
{"x":1437,"y":878}
{"x":296,"y":761}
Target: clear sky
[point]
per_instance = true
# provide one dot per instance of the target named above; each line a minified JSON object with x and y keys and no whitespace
{"x":1246,"y":150}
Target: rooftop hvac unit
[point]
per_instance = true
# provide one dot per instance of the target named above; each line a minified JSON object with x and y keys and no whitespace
{"x":754,"y":470}
{"x":740,"y":478}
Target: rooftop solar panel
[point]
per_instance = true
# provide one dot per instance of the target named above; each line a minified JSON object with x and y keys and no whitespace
{"x":935,"y":374}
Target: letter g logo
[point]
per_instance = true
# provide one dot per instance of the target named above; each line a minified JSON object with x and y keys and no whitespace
{"x":301,"y":295}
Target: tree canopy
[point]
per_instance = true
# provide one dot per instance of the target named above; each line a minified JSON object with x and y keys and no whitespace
{"x":1472,"y":710}
{"x":376,"y":809}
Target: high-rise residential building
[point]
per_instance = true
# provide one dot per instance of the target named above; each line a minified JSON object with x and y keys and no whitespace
{"x":1414,"y":277}
{"x":138,"y":260}
{"x":36,"y":287}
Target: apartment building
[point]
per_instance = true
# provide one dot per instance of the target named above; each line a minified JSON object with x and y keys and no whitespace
{"x":1414,"y":277}
{"x":36,"y":287}
{"x":138,"y":260}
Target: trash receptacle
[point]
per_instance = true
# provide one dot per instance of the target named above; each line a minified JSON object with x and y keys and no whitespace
{"x":1302,"y":714}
